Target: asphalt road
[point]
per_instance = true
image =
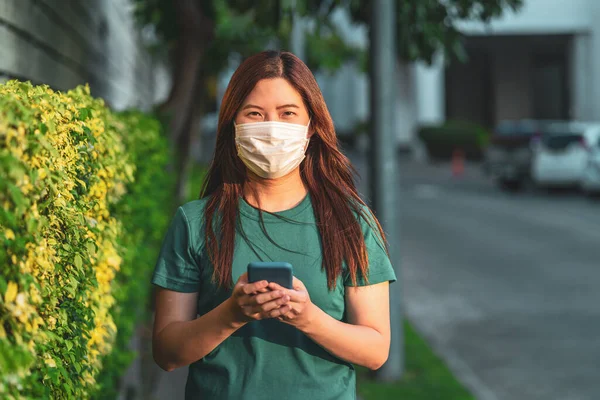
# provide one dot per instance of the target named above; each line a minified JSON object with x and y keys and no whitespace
{"x":505,"y":287}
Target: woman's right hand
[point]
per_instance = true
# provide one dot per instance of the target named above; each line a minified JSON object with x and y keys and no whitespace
{"x":255,"y":301}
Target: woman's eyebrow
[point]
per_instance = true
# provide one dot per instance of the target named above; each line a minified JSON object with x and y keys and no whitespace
{"x":288,"y":106}
{"x":252,"y":106}
{"x":291,"y":105}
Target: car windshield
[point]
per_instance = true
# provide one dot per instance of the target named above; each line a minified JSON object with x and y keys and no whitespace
{"x":560,"y":135}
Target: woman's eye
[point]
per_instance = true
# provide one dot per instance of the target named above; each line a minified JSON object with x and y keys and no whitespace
{"x":254,"y":114}
{"x":289,"y":113}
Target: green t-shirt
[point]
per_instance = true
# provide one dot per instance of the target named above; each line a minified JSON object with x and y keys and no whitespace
{"x":264,"y":359}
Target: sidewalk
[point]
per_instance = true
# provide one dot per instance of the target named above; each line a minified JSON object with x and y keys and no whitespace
{"x":144,"y":380}
{"x":420,"y":174}
{"x":170,"y":385}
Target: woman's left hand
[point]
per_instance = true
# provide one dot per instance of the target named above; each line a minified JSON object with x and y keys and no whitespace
{"x":301,"y":308}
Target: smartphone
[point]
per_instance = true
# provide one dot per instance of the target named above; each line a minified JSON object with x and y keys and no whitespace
{"x":278,"y":272}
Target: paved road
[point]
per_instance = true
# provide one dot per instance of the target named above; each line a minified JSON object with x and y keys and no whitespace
{"x":505,"y":287}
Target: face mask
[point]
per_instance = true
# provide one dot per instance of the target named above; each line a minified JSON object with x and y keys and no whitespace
{"x":271,"y":149}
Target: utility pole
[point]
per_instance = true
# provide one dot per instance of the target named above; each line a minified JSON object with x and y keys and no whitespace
{"x":383,"y":163}
{"x":297,"y":40}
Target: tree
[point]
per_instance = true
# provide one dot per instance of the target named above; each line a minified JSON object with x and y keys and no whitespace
{"x":200,"y":35}
{"x":427,"y":27}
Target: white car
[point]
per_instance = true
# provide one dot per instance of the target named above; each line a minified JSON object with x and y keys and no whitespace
{"x":561,"y":156}
{"x":590,"y":182}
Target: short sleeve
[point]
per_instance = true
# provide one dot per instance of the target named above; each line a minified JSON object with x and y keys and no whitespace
{"x":176,"y":268}
{"x":380,"y":267}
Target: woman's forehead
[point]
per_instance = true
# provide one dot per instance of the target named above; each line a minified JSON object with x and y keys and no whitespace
{"x":273,"y":92}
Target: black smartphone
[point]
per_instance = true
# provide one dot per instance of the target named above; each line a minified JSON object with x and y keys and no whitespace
{"x":278,"y":272}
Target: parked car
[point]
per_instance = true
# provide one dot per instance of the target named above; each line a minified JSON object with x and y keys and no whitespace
{"x":562,"y":155}
{"x":590,"y":181}
{"x":507,"y":158}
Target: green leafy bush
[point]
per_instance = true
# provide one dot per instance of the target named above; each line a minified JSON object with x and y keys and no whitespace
{"x":75,"y":251}
{"x":144,"y":213}
{"x":442,"y":140}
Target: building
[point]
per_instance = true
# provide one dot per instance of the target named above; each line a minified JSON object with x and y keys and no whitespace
{"x":540,"y":62}
{"x":71,"y":42}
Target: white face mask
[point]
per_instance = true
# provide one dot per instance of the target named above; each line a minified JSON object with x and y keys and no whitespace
{"x":271,"y":149}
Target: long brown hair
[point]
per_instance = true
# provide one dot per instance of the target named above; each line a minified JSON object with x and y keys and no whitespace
{"x":326,"y":172}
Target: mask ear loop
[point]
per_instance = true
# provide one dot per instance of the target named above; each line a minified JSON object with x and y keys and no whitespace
{"x":308,"y":138}
{"x":307,"y":141}
{"x":308,"y":126}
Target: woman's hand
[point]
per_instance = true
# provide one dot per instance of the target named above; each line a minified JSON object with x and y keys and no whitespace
{"x":256,"y":301}
{"x":299,"y":311}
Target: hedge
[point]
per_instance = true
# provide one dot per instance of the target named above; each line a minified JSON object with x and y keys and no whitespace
{"x":442,"y":140}
{"x":85,"y":197}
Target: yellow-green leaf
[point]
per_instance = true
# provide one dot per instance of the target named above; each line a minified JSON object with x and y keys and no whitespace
{"x":78,"y":261}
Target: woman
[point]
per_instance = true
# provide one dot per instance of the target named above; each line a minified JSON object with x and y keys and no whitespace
{"x":278,"y":189}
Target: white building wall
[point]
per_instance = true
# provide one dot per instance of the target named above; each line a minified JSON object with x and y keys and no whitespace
{"x":592,"y":80}
{"x":429,"y":92}
{"x":580,"y":77}
{"x":406,"y":106}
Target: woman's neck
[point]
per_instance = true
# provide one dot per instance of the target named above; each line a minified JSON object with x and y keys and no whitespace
{"x":275,"y":195}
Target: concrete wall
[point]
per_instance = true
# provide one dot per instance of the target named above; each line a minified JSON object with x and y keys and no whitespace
{"x":430,"y":92}
{"x":70,"y":42}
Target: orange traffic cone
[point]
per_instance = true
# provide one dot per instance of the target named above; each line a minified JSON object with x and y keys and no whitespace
{"x":458,"y":163}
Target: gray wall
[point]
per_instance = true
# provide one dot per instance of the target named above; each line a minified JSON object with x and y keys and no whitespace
{"x":64,"y":43}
